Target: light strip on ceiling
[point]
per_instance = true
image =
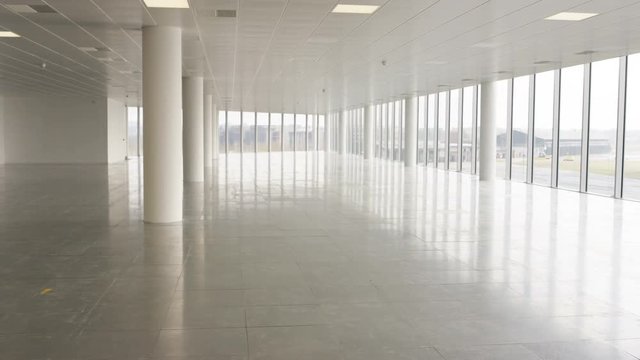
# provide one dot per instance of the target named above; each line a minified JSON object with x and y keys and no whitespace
{"x":167,"y":4}
{"x":571,"y":16}
{"x":354,"y":9}
{"x":8,"y":34}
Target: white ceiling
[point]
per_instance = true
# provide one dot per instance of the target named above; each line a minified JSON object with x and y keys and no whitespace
{"x":295,"y":55}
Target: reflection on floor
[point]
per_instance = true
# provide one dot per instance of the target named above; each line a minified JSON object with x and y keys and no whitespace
{"x":335,"y":259}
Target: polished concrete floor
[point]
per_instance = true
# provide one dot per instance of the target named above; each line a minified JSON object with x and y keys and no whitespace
{"x":317,"y":259}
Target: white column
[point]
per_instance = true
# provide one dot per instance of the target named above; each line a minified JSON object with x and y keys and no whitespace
{"x":193,"y":124}
{"x":215,"y":124}
{"x":162,"y":128}
{"x":208,"y":131}
{"x":369,"y":123}
{"x":342,"y":132}
{"x":488,"y":115}
{"x":411,"y":132}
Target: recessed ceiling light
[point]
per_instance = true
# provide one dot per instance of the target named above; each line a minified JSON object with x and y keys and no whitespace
{"x":172,"y":4}
{"x":8,"y":34}
{"x":586,"y":52}
{"x":22,"y":9}
{"x":571,"y":16}
{"x":354,"y":9}
{"x":226,"y":13}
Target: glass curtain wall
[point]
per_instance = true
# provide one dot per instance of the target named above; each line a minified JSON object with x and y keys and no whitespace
{"x":603,"y":125}
{"x":275,"y":132}
{"x":520,"y":126}
{"x":222,"y":134}
{"x":248,"y":131}
{"x":288,"y":132}
{"x":321,"y":133}
{"x":301,"y":124}
{"x":233,"y":131}
{"x":133,"y":135}
{"x":501,"y":128}
{"x":422,"y":130}
{"x":442,"y":131}
{"x":454,"y":128}
{"x":570,"y":143}
{"x":631,"y":184}
{"x":262,"y":132}
{"x":432,"y":106}
{"x":467,"y":128}
{"x":543,"y":128}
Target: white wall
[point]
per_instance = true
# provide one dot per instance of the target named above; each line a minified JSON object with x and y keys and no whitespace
{"x":55,"y":130}
{"x":116,"y":131}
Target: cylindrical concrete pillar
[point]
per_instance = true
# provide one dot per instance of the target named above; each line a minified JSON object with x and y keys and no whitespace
{"x":215,"y":124}
{"x":162,"y":128}
{"x":193,"y":128}
{"x":369,"y":123}
{"x":411,"y":132}
{"x":208,"y":131}
{"x":488,"y":115}
{"x":342,"y":132}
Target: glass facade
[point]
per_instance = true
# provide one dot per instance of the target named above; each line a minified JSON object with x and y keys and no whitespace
{"x":570,"y":143}
{"x":543,"y":128}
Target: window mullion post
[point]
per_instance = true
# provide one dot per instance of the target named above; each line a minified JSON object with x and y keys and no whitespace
{"x":530,"y":134}
{"x":474,"y":131}
{"x":586,"y":120}
{"x":436,"y":128}
{"x":460,"y":129}
{"x":555,"y":142}
{"x":622,"y":114}
{"x":509,"y":134}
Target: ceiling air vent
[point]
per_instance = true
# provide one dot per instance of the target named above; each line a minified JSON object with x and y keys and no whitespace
{"x":226,"y":13}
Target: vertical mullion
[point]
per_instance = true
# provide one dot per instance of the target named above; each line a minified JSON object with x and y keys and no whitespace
{"x":474,"y":131}
{"x":226,"y":131}
{"x":241,"y":131}
{"x":255,"y":132}
{"x":530,"y":134}
{"x":393,"y":131}
{"x":620,"y":132}
{"x":509,"y":135}
{"x":281,"y":133}
{"x":555,"y":142}
{"x":436,"y":128}
{"x":306,"y":132}
{"x":295,"y":130}
{"x":447,"y":130}
{"x":586,"y":121}
{"x":460,"y":129}
{"x":139,"y":129}
{"x":269,"y":132}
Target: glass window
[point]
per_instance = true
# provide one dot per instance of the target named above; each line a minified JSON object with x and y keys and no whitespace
{"x":301,"y":124}
{"x":262,"y":130}
{"x":603,"y":124}
{"x":233,"y":127}
{"x":442,"y":123}
{"x":520,"y":131}
{"x":249,"y":131}
{"x":454,"y":129}
{"x":311,"y":132}
{"x":431,"y":127}
{"x":288,"y":132}
{"x":631,"y":186}
{"x":543,"y":128}
{"x":501,"y":128}
{"x":385,"y":131}
{"x":467,"y":131}
{"x":141,"y":132}
{"x":222,"y":125}
{"x":321,"y":132}
{"x":377,"y":130}
{"x":132,"y":131}
{"x":570,"y":144}
{"x":422,"y":133}
{"x":276,"y":132}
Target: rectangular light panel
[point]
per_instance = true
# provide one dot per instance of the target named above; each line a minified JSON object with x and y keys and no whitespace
{"x":354,"y":9}
{"x":8,"y":34}
{"x":571,"y":16}
{"x":168,"y":4}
